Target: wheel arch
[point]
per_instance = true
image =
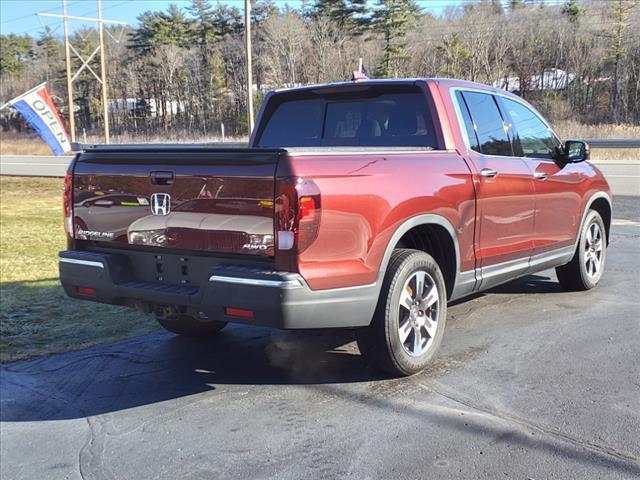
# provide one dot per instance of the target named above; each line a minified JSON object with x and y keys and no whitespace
{"x":603,"y":207}
{"x":433,"y":234}
{"x":601,"y":203}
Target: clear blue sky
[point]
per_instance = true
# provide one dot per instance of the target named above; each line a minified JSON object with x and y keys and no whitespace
{"x":19,"y":16}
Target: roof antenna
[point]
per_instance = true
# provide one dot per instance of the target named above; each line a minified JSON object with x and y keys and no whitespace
{"x":360,"y":74}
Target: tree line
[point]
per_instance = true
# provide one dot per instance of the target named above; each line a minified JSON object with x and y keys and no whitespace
{"x":182,"y":70}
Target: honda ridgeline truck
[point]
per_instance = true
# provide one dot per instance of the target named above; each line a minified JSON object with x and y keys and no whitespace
{"x":364,"y":205}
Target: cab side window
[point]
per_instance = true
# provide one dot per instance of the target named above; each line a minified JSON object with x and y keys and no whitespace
{"x":469,"y":129}
{"x":488,"y":124}
{"x":533,"y":135}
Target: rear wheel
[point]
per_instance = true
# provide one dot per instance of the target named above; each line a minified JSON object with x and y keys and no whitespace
{"x":586,"y":267}
{"x":409,"y":320}
{"x":189,"y":326}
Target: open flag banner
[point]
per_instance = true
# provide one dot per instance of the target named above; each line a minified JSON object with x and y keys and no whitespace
{"x":39,"y":110}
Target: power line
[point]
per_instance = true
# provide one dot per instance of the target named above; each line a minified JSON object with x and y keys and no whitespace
{"x":31,"y":14}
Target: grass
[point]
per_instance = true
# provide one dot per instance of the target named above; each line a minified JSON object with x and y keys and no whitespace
{"x":612,"y":154}
{"x":32,"y":144}
{"x":26,"y":144}
{"x":36,"y":317}
{"x":570,"y":129}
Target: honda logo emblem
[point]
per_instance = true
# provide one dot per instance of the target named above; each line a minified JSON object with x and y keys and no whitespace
{"x":160,"y":203}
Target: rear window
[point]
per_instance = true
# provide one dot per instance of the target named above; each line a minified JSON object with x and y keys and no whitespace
{"x":374,"y":117}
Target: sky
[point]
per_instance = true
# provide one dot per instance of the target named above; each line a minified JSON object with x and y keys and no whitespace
{"x":19,"y":16}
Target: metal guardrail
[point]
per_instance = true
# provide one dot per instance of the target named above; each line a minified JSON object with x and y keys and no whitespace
{"x":614,"y":142}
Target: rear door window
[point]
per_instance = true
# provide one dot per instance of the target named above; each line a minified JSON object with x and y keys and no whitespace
{"x":469,"y":128}
{"x":488,"y":124}
{"x":370,"y":118}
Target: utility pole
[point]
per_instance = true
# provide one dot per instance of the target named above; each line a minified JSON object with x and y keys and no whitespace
{"x":103,"y":74}
{"x":247,"y":46}
{"x":69,"y":48}
{"x":67,"y":55}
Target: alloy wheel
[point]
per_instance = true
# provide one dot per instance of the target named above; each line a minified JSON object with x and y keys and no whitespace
{"x":593,"y":250}
{"x":418,"y":313}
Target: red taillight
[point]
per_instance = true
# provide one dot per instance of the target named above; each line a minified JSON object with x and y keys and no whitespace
{"x":238,"y":312}
{"x":307,"y":207}
{"x":297,"y":214}
{"x":67,"y":205}
{"x":89,"y":292}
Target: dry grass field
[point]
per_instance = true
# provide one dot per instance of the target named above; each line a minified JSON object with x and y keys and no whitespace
{"x":36,"y":317}
{"x":32,"y":144}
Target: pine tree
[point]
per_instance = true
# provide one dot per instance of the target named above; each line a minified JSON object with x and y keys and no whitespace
{"x":203,"y":31}
{"x":573,"y":10}
{"x":349,"y":15}
{"x":15,"y":53}
{"x":49,"y":50}
{"x":392,"y":17}
{"x":162,"y":28}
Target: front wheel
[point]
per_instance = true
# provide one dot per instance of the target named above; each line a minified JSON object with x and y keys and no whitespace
{"x":409,"y":320}
{"x":586,"y":267}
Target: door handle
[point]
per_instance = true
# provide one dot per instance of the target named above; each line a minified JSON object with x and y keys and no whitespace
{"x":540,"y":175}
{"x":488,"y":173}
{"x":161,"y":178}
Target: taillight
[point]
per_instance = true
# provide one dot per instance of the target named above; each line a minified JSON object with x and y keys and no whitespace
{"x":67,"y":205}
{"x":297,"y":214}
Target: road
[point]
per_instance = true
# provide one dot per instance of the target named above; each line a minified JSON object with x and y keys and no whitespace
{"x":624,"y":176}
{"x":531,"y":382}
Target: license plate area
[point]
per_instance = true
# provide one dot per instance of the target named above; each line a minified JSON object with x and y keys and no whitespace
{"x":175,"y":270}
{"x":169,"y":269}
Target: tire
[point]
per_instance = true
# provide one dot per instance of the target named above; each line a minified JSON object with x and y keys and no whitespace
{"x":381,"y":343}
{"x":585,"y":269}
{"x":189,"y":326}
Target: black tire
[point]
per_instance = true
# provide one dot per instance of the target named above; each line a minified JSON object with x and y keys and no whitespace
{"x":380,"y":343}
{"x":189,"y":326}
{"x":577,"y":275}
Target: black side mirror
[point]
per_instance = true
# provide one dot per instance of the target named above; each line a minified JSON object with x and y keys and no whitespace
{"x":576,"y":151}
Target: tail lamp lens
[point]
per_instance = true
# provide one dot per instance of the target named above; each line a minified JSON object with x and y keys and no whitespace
{"x":67,"y":204}
{"x":297,"y":211}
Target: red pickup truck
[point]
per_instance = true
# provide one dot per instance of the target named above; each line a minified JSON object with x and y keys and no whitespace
{"x":365,"y":205}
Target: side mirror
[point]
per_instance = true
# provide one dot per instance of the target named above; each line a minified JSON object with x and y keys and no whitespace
{"x":577,"y":151}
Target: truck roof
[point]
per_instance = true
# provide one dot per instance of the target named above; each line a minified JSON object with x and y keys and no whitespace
{"x":450,"y":82}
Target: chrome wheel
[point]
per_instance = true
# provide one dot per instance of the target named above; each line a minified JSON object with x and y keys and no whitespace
{"x":593,"y":249}
{"x":418,"y":313}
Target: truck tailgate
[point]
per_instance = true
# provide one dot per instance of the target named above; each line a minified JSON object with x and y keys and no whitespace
{"x":180,"y":198}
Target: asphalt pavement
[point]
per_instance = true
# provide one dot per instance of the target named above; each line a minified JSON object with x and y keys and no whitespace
{"x":531,"y":383}
{"x":623,"y":176}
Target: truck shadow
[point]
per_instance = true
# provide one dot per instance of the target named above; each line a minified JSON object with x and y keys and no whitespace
{"x":160,"y":366}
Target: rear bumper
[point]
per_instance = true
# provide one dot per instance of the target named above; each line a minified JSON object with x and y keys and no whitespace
{"x":277,"y":299}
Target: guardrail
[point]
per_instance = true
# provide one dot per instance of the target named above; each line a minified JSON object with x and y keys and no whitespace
{"x":614,"y":142}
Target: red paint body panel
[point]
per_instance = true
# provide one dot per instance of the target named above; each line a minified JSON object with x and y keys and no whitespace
{"x":366,"y":197}
{"x":521,"y":215}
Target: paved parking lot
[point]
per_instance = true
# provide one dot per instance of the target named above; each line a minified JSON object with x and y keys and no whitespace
{"x":531,"y":382}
